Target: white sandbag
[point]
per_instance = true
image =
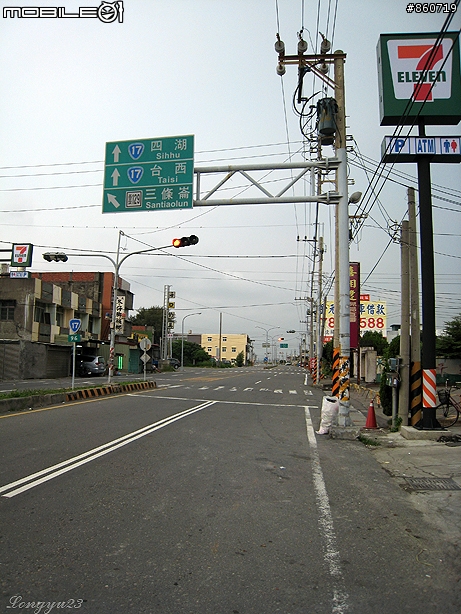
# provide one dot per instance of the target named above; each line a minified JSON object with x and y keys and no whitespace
{"x":329,"y":415}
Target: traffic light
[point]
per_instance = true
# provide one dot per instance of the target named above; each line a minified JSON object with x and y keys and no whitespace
{"x":281,"y":338}
{"x":185,"y":241}
{"x":55,"y":257}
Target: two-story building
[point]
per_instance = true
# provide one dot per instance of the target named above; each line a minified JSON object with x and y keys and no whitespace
{"x":35,"y":314}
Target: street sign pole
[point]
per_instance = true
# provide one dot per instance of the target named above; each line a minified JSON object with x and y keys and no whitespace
{"x":74,"y":349}
{"x":74,"y":326}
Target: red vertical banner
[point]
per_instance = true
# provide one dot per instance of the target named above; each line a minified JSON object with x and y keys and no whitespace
{"x":354,"y":291}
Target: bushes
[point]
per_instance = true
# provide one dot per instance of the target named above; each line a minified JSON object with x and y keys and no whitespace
{"x":385,"y":391}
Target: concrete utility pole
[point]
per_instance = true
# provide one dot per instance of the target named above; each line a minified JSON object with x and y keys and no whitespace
{"x":318,"y":65}
{"x":404,"y":391}
{"x":343,"y":245}
{"x":415,"y":325}
{"x":320,"y":313}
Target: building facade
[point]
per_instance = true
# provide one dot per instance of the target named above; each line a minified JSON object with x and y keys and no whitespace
{"x":35,"y":314}
{"x":227,"y":347}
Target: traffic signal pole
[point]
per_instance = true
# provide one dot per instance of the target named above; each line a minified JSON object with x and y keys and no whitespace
{"x":57,"y":256}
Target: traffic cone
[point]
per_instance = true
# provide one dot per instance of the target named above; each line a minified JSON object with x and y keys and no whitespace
{"x":371,"y":417}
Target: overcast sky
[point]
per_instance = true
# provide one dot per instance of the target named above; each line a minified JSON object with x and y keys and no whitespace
{"x":207,"y":68}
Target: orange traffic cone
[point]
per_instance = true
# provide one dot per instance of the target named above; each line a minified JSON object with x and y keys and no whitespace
{"x":371,"y":417}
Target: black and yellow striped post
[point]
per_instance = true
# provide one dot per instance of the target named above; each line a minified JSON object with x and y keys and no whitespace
{"x":415,"y":393}
{"x":335,"y":383}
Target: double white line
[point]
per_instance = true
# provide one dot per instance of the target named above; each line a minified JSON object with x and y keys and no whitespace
{"x":30,"y":481}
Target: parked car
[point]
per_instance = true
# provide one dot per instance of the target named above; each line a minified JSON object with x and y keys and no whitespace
{"x":90,"y":365}
{"x":174,"y":362}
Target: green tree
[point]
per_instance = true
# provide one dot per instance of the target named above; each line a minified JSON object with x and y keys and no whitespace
{"x":194,"y":354}
{"x":152,"y":316}
{"x":449,"y":343}
{"x":327,"y":358}
{"x":239,"y":361}
{"x":374,"y":339}
{"x":385,"y":391}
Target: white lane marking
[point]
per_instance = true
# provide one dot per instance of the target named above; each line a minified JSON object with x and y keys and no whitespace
{"x":232,"y":389}
{"x":218,"y":388}
{"x":305,"y":379}
{"x":220,"y":402}
{"x":293,"y":391}
{"x":331,"y":553}
{"x":309,"y":393}
{"x":204,"y":388}
{"x":258,"y":382}
{"x":51,"y":472}
{"x":245,"y":389}
{"x":278,"y":391}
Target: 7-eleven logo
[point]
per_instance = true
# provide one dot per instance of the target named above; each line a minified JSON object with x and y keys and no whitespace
{"x":416,"y":67}
{"x":21,"y":254}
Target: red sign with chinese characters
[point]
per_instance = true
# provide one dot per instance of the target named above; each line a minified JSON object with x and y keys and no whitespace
{"x":354,"y":291}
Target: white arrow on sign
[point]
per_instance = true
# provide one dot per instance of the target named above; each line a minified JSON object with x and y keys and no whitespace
{"x":115,"y":175}
{"x":113,"y":201}
{"x":116,"y":151}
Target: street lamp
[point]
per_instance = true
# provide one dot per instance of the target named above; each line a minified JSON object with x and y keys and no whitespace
{"x":198,"y":313}
{"x":60,"y":256}
{"x":267,"y":335}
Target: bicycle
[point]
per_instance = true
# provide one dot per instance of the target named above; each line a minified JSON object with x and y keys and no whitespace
{"x":447,"y":412}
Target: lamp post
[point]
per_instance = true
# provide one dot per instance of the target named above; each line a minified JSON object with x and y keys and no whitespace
{"x":198,"y":313}
{"x":57,"y":256}
{"x":267,"y":335}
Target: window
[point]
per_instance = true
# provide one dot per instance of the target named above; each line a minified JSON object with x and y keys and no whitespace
{"x":7,"y":310}
{"x":224,"y":338}
{"x":209,"y":350}
{"x":234,"y":350}
{"x":59,"y":315}
{"x":224,"y":349}
{"x":210,"y":339}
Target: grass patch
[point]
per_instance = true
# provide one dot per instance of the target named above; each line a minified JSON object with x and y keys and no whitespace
{"x":31,"y":392}
{"x":368,"y":441}
{"x":28,"y":392}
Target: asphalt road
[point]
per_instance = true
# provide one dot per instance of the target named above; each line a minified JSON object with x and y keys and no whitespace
{"x":209,"y":495}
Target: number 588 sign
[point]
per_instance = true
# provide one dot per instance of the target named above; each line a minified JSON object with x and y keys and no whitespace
{"x":372,"y":317}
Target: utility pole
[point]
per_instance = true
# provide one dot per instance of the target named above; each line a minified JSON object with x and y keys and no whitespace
{"x":429,"y":420}
{"x":318,"y":65}
{"x":343,"y":245}
{"x":404,"y":323}
{"x":415,"y":326}
{"x":320,"y":314}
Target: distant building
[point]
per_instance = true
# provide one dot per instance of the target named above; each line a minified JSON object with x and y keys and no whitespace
{"x":227,"y":347}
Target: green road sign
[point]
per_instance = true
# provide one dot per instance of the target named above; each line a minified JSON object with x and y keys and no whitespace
{"x":284,"y":345}
{"x":149,"y":174}
{"x":75,"y":338}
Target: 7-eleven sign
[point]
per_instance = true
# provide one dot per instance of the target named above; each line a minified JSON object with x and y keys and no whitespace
{"x":419,"y":74}
{"x":21,"y":254}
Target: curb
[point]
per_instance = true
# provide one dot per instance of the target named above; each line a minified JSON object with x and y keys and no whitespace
{"x":91,"y":393}
{"x":42,"y":400}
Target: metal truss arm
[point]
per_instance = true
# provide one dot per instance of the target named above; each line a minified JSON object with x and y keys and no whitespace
{"x":245,"y":169}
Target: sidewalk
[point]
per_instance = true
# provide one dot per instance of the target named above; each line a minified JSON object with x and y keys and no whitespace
{"x":430,"y":471}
